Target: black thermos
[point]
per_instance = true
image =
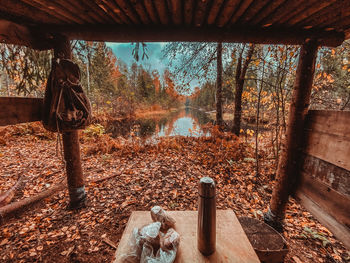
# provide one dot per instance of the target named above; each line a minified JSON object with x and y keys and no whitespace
{"x":206,"y":232}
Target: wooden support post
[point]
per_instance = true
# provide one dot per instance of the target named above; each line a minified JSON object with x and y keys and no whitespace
{"x":71,"y":147}
{"x":288,"y":166}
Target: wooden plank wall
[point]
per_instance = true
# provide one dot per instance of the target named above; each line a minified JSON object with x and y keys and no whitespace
{"x":324,"y":187}
{"x":15,"y":110}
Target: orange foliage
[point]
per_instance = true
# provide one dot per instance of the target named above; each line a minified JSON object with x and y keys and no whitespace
{"x":169,"y":85}
{"x":156,"y":80}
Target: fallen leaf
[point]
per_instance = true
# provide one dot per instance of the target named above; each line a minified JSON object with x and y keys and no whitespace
{"x":39,"y":248}
{"x":4,"y":242}
{"x":296,"y":259}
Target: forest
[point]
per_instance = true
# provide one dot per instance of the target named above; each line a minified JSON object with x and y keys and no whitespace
{"x":217,"y":109}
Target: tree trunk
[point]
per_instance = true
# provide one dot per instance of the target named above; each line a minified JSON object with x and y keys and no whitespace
{"x":8,"y":85}
{"x":14,"y":208}
{"x":261,"y":86}
{"x":219,"y":120}
{"x":8,"y":196}
{"x":71,"y":147}
{"x":88,"y":75}
{"x":289,"y":162}
{"x":240,"y":78}
{"x":238,"y":107}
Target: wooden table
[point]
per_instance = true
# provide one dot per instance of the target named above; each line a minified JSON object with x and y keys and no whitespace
{"x":232,"y":244}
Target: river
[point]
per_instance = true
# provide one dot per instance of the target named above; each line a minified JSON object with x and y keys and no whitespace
{"x":185,"y":122}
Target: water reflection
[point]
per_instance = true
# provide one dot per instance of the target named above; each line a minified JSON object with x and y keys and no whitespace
{"x":184,"y":122}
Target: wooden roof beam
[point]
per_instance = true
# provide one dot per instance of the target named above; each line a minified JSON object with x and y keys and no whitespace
{"x":12,"y":33}
{"x":191,"y":34}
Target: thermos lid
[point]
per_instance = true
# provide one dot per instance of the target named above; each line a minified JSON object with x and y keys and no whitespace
{"x":206,"y":187}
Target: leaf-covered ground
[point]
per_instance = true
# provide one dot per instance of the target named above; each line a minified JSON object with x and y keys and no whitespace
{"x":163,"y":174}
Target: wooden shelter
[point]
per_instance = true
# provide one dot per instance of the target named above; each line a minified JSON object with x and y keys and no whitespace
{"x":318,"y":164}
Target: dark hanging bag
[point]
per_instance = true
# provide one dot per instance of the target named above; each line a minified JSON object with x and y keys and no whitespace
{"x":66,"y":107}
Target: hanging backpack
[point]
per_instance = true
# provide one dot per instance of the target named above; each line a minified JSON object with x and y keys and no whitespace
{"x":66,"y":107}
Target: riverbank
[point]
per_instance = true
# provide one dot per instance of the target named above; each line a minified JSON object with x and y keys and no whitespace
{"x":154,"y":122}
{"x":141,"y":121}
{"x":129,"y":112}
{"x":227,"y":117}
{"x":140,"y":176}
{"x":153,"y":111}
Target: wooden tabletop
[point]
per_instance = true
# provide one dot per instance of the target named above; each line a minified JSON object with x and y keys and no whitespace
{"x":232,"y":244}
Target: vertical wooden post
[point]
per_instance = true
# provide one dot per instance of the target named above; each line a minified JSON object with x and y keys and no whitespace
{"x":288,"y":166}
{"x":71,"y":147}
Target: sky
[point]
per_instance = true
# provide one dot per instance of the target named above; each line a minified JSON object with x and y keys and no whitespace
{"x":123,"y":51}
{"x":155,"y":58}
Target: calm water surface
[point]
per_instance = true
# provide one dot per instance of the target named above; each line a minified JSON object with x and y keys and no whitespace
{"x":184,"y":122}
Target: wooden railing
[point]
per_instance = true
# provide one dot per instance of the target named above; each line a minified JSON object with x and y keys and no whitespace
{"x":15,"y":110}
{"x":324,"y":187}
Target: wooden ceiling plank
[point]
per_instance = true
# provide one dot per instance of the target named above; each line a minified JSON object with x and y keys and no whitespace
{"x":176,"y":11}
{"x":206,"y":34}
{"x":87,"y":8}
{"x":19,"y":9}
{"x":16,"y":18}
{"x":200,"y":12}
{"x":295,"y":11}
{"x":100,"y":10}
{"x":129,"y":11}
{"x":141,"y":11}
{"x":266,"y":11}
{"x":241,"y":9}
{"x":214,"y":11}
{"x":188,"y":11}
{"x":342,"y":23}
{"x":108,"y":8}
{"x":324,"y":15}
{"x":309,"y":11}
{"x":73,"y":8}
{"x":283,"y":10}
{"x":78,"y":8}
{"x":226,"y":12}
{"x":98,"y":13}
{"x":253,"y":9}
{"x":117,"y":10}
{"x":280,"y":14}
{"x":54,"y":10}
{"x":150,"y":9}
{"x":162,"y":10}
{"x":338,"y":21}
{"x":89,"y":11}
